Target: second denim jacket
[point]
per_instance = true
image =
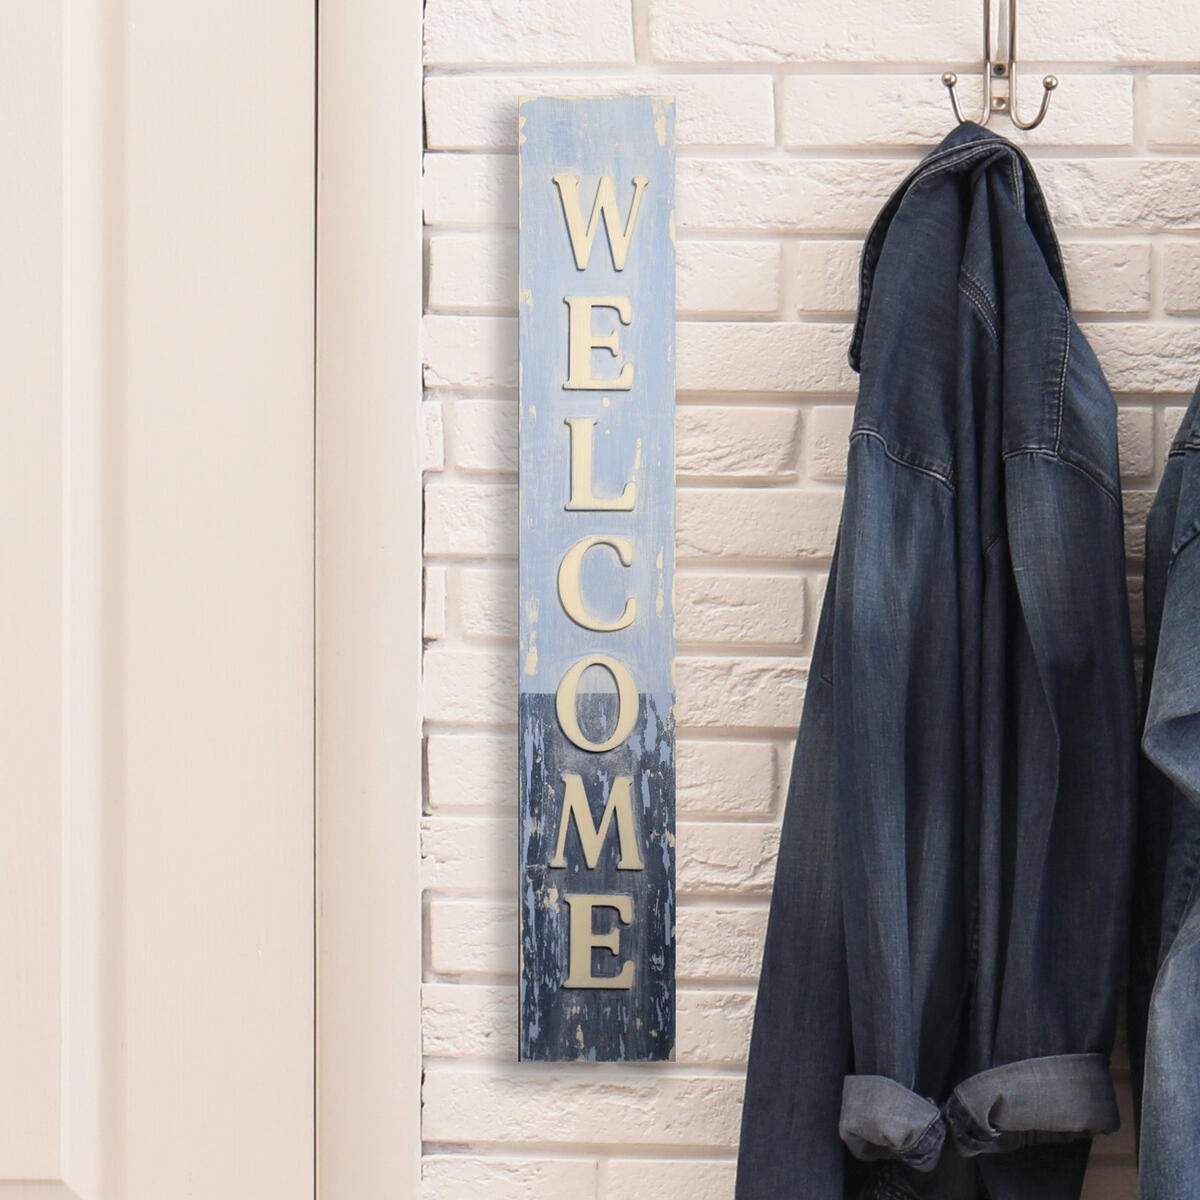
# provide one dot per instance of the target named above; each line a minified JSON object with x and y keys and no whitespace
{"x":937,"y":1000}
{"x":1164,"y":1002}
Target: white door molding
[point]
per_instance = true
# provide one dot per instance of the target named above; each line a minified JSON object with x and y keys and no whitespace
{"x":368,"y":587}
{"x":156,"y":613}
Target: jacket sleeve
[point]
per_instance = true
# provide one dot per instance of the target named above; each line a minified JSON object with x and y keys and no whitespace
{"x":800,"y":1045}
{"x":899,"y":687}
{"x":1056,"y":915}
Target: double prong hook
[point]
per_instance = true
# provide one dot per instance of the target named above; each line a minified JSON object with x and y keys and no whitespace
{"x":1001,"y":68}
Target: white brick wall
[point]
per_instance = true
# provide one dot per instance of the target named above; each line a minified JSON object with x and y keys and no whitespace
{"x":794,"y":123}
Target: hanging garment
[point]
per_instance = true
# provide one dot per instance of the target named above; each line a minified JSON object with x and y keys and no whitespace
{"x":939,"y":983}
{"x":1166,"y":950}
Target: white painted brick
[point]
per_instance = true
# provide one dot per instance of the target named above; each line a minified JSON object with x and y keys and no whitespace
{"x":1121,"y":194}
{"x":771,"y":233}
{"x":483,"y":435}
{"x":474,"y":855}
{"x":468,"y":687}
{"x":817,"y":598}
{"x":829,"y":440}
{"x":638,"y":1179}
{"x":1145,"y":356}
{"x":817,"y":32}
{"x":1107,"y":31}
{"x":1181,"y":271}
{"x":486,"y":602}
{"x":468,"y":352}
{"x":470,"y":518}
{"x":477,"y":272}
{"x":728,"y":277}
{"x":470,"y":189}
{"x":433,"y":438}
{"x":1136,"y":506}
{"x":720,"y":943}
{"x":470,"y":855}
{"x":914,"y":110}
{"x":461,"y":1020}
{"x":715,"y":441}
{"x":722,"y":608}
{"x":1108,"y":277}
{"x":726,"y":856}
{"x":472,"y":937}
{"x":457,"y":1177}
{"x":767,"y":356}
{"x":793,"y":356}
{"x":740,"y":693}
{"x":527,"y":31}
{"x":796,"y":195}
{"x":476,"y":771}
{"x":711,"y":441}
{"x":786,"y":523}
{"x":1103,"y":276}
{"x":743,"y":609}
{"x":713,"y":1026}
{"x":433,"y":619}
{"x":723,"y":778}
{"x":479,"y":112}
{"x":479,"y":937}
{"x":823,"y":276}
{"x":1172,"y":110}
{"x":731,"y":356}
{"x":727,"y":778}
{"x":661,"y":1108}
{"x":1135,"y":438}
{"x":473,"y":272}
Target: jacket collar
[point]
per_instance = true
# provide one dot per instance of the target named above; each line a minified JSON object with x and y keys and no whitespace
{"x":967,"y":147}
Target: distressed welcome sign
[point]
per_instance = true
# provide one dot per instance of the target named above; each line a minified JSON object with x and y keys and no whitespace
{"x":597,"y":537}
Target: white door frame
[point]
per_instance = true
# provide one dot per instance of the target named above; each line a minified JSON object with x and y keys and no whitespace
{"x":368,"y":598}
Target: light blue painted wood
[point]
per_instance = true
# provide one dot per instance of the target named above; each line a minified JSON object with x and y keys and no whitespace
{"x":623,"y":138}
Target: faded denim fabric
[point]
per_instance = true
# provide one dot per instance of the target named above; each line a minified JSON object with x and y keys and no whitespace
{"x":1166,"y":954}
{"x":947,"y":929}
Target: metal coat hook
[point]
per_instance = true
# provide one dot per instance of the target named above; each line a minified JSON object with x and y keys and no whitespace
{"x":1002,"y":68}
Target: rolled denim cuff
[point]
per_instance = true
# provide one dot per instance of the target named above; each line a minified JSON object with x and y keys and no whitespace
{"x":883,"y":1119}
{"x":1061,"y":1097}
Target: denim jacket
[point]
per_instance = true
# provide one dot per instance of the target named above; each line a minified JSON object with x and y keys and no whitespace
{"x":1166,"y":951}
{"x":947,"y":926}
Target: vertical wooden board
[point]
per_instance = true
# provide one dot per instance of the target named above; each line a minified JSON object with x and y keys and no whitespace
{"x":596,"y":579}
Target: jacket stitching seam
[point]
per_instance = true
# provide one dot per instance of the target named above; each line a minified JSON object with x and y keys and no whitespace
{"x":1062,"y":378}
{"x":984,"y":293}
{"x":1178,"y":550}
{"x":1055,"y":456}
{"x":978,"y":298}
{"x":944,"y":480}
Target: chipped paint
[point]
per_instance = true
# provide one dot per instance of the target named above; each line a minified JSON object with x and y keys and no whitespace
{"x":662,"y":111}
